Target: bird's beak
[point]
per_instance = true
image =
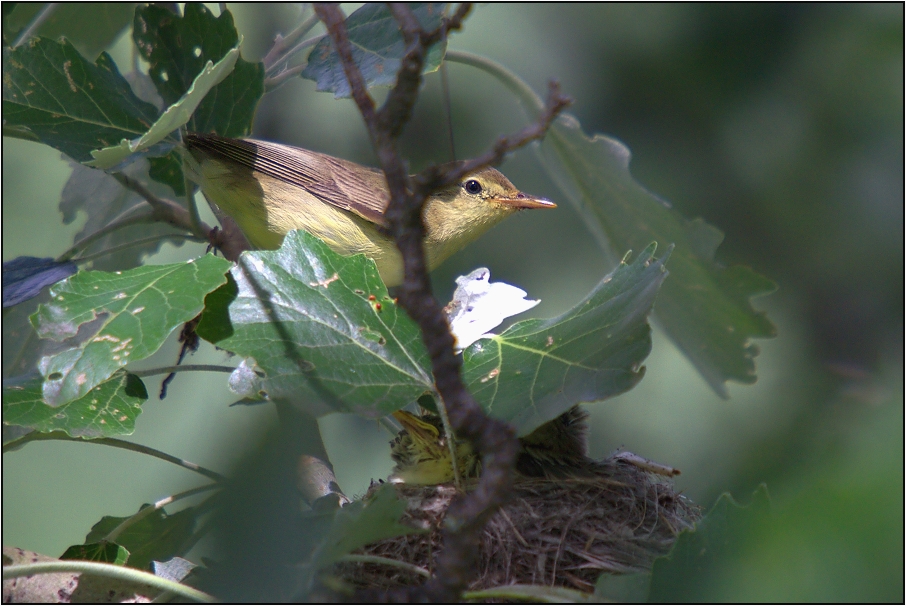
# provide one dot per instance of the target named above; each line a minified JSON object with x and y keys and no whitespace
{"x":522,"y":200}
{"x":416,"y":427}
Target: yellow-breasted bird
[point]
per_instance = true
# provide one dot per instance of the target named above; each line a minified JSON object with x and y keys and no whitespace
{"x":422,"y":454}
{"x":557,"y":449}
{"x":270,"y":189}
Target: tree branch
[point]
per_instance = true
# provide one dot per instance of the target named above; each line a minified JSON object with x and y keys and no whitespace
{"x":493,"y":439}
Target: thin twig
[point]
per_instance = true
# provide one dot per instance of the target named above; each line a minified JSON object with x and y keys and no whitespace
{"x":494,"y":440}
{"x":116,"y":443}
{"x":39,"y":19}
{"x":183,"y":368}
{"x":279,"y":51}
{"x":110,"y":571}
{"x":147,"y":216}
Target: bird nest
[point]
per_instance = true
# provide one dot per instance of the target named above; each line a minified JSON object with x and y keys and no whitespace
{"x":613,"y":517}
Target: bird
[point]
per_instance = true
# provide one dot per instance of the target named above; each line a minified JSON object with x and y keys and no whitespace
{"x":422,"y":454}
{"x":270,"y":189}
{"x":556,"y":449}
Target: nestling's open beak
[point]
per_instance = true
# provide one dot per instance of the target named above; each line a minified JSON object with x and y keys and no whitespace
{"x":522,"y":200}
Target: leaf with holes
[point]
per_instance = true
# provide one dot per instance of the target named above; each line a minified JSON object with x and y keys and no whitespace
{"x":178,"y":48}
{"x":108,"y":410}
{"x":321,"y":329}
{"x":175,"y":116}
{"x":117,"y":318}
{"x":538,"y":369}
{"x":377,"y":48}
{"x":69,"y":103}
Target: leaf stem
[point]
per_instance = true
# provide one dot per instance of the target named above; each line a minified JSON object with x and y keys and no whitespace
{"x":163,"y":370}
{"x":279,"y":51}
{"x":116,"y":443}
{"x":529,"y":99}
{"x":145,"y":217}
{"x":122,"y":573}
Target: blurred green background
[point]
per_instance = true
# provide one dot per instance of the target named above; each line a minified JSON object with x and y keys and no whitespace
{"x":780,"y":124}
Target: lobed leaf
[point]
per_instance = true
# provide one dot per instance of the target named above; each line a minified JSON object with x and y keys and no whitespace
{"x":683,"y":575}
{"x":321,"y":328}
{"x":105,"y":200}
{"x":67,"y":102}
{"x":705,"y":308}
{"x":156,"y":537}
{"x":377,"y":48}
{"x":178,"y":49}
{"x":108,"y":410}
{"x":538,"y":369}
{"x":175,"y":116}
{"x":117,"y":318}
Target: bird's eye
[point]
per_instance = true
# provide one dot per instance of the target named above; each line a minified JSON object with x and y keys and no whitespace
{"x":472,"y":186}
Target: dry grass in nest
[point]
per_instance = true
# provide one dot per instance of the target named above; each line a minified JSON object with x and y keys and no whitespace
{"x":616,"y":518}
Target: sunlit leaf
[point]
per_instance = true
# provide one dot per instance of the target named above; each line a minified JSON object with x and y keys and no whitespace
{"x":321,"y":329}
{"x":68,"y":102}
{"x":178,"y":48}
{"x":118,"y":318}
{"x":175,"y":116}
{"x":377,"y":48}
{"x":538,"y":369}
{"x":108,"y":410}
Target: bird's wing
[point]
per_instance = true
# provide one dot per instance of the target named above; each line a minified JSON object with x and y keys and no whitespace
{"x":357,"y":189}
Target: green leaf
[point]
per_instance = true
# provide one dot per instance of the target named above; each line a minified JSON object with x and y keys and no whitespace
{"x":117,"y":318}
{"x":70,"y":104}
{"x":103,"y":551}
{"x":684,"y":574}
{"x":623,"y":588}
{"x":175,"y":116}
{"x":530,"y":594}
{"x":377,"y":48}
{"x":356,"y":525}
{"x":104,"y":199}
{"x":303,"y":313}
{"x":157,"y":536}
{"x":89,"y":26}
{"x":538,"y":369}
{"x":178,"y":48}
{"x":108,"y":410}
{"x":704,"y":307}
